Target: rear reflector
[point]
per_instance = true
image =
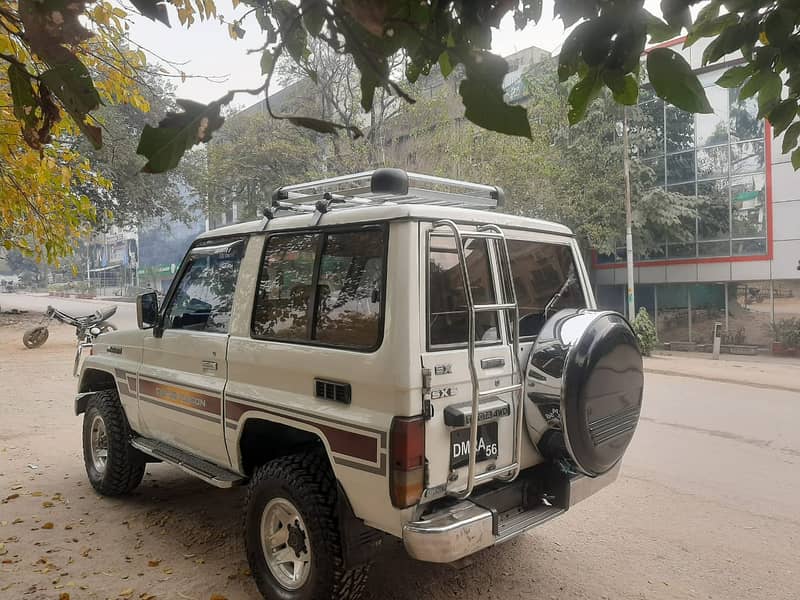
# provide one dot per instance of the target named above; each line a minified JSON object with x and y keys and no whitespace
{"x":407,"y":460}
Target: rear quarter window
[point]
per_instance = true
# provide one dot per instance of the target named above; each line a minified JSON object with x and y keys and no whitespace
{"x":546,"y":280}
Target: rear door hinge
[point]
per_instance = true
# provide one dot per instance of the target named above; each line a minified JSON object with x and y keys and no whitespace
{"x":427,"y":405}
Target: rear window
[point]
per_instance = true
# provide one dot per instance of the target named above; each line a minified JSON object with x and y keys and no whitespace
{"x":448,"y":317}
{"x":323,"y":288}
{"x":546,"y":280}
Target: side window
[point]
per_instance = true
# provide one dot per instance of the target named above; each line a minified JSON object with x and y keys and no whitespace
{"x":448,"y":318}
{"x":344,"y":309}
{"x":350,"y":289}
{"x":545,"y":279}
{"x":284,"y":288}
{"x":203,"y":298}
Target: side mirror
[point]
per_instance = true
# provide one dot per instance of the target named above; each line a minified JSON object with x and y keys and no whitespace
{"x":147,"y":310}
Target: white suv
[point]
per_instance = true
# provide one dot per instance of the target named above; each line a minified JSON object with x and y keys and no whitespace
{"x":381,"y":354}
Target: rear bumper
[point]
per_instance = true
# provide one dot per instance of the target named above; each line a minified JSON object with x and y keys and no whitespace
{"x":464,"y":528}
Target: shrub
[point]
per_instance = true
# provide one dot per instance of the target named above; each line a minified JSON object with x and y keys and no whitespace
{"x":787,"y":332}
{"x":645,"y":331}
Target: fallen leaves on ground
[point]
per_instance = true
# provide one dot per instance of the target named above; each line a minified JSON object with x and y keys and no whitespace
{"x":48,"y":525}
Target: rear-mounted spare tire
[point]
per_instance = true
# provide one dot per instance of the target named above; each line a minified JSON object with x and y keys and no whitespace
{"x":583,"y":388}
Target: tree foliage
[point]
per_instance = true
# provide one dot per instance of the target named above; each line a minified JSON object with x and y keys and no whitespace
{"x":54,"y":65}
{"x":602,"y":51}
{"x":569,"y":174}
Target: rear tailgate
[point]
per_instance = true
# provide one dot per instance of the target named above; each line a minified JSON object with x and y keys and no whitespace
{"x":445,"y":362}
{"x":449,"y":404}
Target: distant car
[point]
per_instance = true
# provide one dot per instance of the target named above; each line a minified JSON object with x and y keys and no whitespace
{"x":374,"y":357}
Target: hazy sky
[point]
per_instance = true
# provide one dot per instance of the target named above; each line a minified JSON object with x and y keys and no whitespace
{"x":206,"y":49}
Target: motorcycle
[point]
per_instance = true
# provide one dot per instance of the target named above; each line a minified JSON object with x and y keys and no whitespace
{"x":87,"y":328}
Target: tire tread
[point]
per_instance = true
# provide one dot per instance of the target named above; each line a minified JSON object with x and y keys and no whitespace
{"x":126,"y":471}
{"x":309,"y":475}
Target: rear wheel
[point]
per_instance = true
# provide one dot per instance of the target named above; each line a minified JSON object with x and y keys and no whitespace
{"x":292,"y":533}
{"x":35,"y":337}
{"x":114,"y":467}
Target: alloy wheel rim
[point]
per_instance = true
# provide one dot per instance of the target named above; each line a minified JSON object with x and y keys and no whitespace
{"x":98,"y":444}
{"x":285,"y":543}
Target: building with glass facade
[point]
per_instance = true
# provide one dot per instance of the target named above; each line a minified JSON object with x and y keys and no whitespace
{"x":738,"y":261}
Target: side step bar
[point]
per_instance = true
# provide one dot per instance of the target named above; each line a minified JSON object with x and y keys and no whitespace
{"x":208,"y":472}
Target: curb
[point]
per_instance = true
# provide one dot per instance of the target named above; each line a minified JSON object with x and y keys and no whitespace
{"x":755,"y":384}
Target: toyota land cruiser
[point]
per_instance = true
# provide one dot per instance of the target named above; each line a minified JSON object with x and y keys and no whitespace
{"x":380,"y":355}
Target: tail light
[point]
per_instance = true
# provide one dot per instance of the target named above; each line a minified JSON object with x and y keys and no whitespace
{"x":407,"y":460}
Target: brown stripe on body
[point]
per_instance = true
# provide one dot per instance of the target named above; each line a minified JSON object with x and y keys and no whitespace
{"x":131,"y":379}
{"x":379,"y":432}
{"x":341,"y":441}
{"x":180,"y":396}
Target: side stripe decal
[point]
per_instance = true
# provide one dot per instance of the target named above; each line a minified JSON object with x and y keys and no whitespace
{"x":353,"y":445}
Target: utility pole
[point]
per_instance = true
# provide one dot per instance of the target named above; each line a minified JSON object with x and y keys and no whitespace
{"x":628,"y":214}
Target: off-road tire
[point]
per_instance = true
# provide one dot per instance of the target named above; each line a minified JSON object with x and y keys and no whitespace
{"x":125,"y":465}
{"x":35,"y":337}
{"x":306,"y":480}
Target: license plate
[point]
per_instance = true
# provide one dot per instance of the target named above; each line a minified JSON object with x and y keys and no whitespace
{"x":486,"y":447}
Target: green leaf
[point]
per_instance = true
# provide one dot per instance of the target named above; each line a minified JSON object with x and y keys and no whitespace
{"x":153,"y":9}
{"x":293,"y":36}
{"x":782,"y":116}
{"x":676,"y":13}
{"x":165,"y":145}
{"x":756,"y":82}
{"x":658,"y":30}
{"x":571,"y":11}
{"x":531,"y":10}
{"x":73,"y":85}
{"x":314,"y":16}
{"x":706,"y":16}
{"x":796,"y":159}
{"x":711,"y":28}
{"x":267,"y":62}
{"x":445,"y":66}
{"x":735,"y":76}
{"x":790,"y":137}
{"x":569,"y":58}
{"x":582,"y":94}
{"x":482,"y":94}
{"x":674,"y":81}
{"x":625,"y":88}
{"x":729,"y":40}
{"x":23,"y":95}
{"x":770,"y":94}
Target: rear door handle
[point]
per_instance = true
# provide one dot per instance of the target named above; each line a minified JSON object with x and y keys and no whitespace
{"x":209,"y":365}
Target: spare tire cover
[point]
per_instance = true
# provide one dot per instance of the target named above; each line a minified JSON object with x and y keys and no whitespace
{"x":583,"y":385}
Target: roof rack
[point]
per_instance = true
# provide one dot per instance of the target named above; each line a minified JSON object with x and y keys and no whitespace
{"x":381,"y":186}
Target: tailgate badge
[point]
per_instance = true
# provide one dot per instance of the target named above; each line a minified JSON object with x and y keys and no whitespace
{"x":445,"y":369}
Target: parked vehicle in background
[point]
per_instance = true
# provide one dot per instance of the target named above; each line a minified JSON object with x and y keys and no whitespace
{"x":381,"y":355}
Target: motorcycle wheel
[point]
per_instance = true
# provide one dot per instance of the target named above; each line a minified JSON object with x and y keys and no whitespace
{"x":35,"y":337}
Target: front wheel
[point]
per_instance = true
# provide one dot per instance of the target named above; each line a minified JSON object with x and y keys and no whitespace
{"x":114,"y":466}
{"x":292,"y":533}
{"x":35,"y":337}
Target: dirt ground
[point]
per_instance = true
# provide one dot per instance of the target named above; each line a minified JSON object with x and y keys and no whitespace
{"x":662,"y":531}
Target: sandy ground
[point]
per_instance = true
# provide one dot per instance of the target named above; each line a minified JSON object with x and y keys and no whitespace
{"x":706,"y":508}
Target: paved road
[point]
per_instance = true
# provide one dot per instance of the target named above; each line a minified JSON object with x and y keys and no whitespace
{"x":706,"y":507}
{"x":124,"y":319}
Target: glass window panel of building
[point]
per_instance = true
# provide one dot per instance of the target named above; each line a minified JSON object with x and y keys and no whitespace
{"x":721,"y":158}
